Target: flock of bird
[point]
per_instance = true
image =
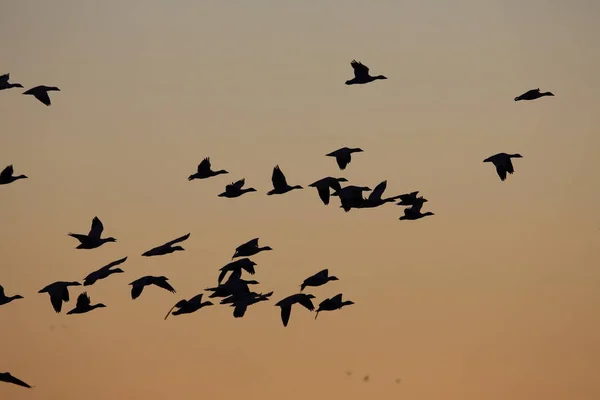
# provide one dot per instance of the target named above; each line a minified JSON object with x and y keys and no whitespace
{"x":235,"y":291}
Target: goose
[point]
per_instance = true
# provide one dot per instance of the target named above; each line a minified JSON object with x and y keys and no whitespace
{"x":249,"y":248}
{"x":533,"y":94}
{"x":166,"y":248}
{"x":8,"y":378}
{"x":189,"y":306}
{"x":234,"y":189}
{"x":4,"y":299}
{"x":323,"y":185}
{"x":92,"y":240}
{"x":138,"y":285}
{"x":4,"y":82}
{"x":503,"y":163}
{"x":361,"y":74}
{"x":104,"y":272}
{"x":58,"y":292}
{"x":318,"y":279}
{"x":334,"y":303}
{"x":374,"y":199}
{"x":280,"y":185}
{"x":414,"y":212}
{"x":41,"y":93}
{"x":6,"y":176}
{"x":351,"y":196}
{"x":410,"y":199}
{"x":204,"y":171}
{"x":343,"y":156}
{"x":234,"y":285}
{"x":83,"y":305}
{"x":241,"y":304}
{"x":287,"y":303}
{"x":235,"y":267}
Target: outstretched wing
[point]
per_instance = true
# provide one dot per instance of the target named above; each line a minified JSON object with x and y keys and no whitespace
{"x":113,"y":264}
{"x":306,"y":302}
{"x":96,"y":229}
{"x":4,"y":78}
{"x":179,"y":239}
{"x":343,"y":159}
{"x":249,"y":243}
{"x":8,"y":378}
{"x":240,"y":309}
{"x":337,"y":298}
{"x":204,"y":165}
{"x":1,"y":291}
{"x":165,"y":285}
{"x":501,"y":172}
{"x":196,"y":299}
{"x":360,"y":70}
{"x":83,"y":300}
{"x":7,"y":172}
{"x":323,"y":191}
{"x":378,"y":191}
{"x":278,"y":178}
{"x":286,"y":311}
{"x":237,"y":185}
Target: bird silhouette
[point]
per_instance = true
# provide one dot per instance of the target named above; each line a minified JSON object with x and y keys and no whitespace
{"x":318,"y":279}
{"x":503,"y":163}
{"x":83,"y":305}
{"x":287,"y":303}
{"x":138,"y":285}
{"x":361,"y":74}
{"x":334,"y":303}
{"x":92,"y":240}
{"x":343,"y":156}
{"x":6,"y":176}
{"x":189,"y":306}
{"x":166,"y":248}
{"x":204,"y":171}
{"x":4,"y":299}
{"x":104,"y":272}
{"x":533,"y":94}
{"x":249,"y":249}
{"x":4,"y":84}
{"x":414,"y":212}
{"x":280,"y":185}
{"x":236,"y":189}
{"x":59,"y":293}
{"x":323,"y":186}
{"x":41,"y":93}
{"x":235,"y":267}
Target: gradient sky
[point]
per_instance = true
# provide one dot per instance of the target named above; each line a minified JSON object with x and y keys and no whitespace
{"x":495,"y":297}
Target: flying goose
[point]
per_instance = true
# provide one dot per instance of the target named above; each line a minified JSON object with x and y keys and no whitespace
{"x":241,"y":304}
{"x":4,"y":82}
{"x":234,"y":189}
{"x":83,"y":305}
{"x":503,"y":163}
{"x":138,"y":285}
{"x":6,"y":176}
{"x":287,"y":303}
{"x":361,"y":74}
{"x":4,"y":299}
{"x":351,"y":196}
{"x":323,"y":186}
{"x":204,"y":171}
{"x":41,"y":93}
{"x":318,"y":279}
{"x":166,"y":248}
{"x":533,"y":94}
{"x":92,"y":240}
{"x":414,"y":212}
{"x":233,"y":286}
{"x":189,"y":306}
{"x":8,"y":378}
{"x":58,"y":292}
{"x":249,"y":248}
{"x":343,"y":156}
{"x":410,"y":199}
{"x":334,"y":303}
{"x":104,"y":272}
{"x":374,"y":199}
{"x":235,"y":267}
{"x":280,"y":185}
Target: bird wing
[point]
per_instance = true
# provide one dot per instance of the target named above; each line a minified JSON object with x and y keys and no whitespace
{"x":4,"y":78}
{"x":97,"y":228}
{"x":204,"y":165}
{"x":165,"y":285}
{"x":249,"y":243}
{"x":196,"y":299}
{"x":136,"y":290}
{"x":278,"y":178}
{"x":343,"y":160}
{"x":501,"y":172}
{"x":337,"y":298}
{"x":56,"y":300}
{"x":415,"y":208}
{"x":113,"y":264}
{"x":378,"y":191}
{"x":509,"y":166}
{"x":8,"y":378}
{"x":83,"y":300}
{"x":306,"y":302}
{"x":7,"y":172}
{"x":323,"y":191}
{"x":286,"y":311}
{"x":1,"y":292}
{"x":239,"y":310}
{"x":43,"y":97}
{"x":360,"y":70}
{"x":236,"y":185}
{"x":179,"y":239}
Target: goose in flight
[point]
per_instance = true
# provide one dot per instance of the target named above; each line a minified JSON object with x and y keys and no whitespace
{"x":167,"y":248}
{"x":323,"y":186}
{"x":204,"y":171}
{"x":59,"y":293}
{"x":83,"y":305}
{"x":343,"y":156}
{"x":4,"y":82}
{"x":351,"y":196}
{"x":92,"y":239}
{"x":137,"y":286}
{"x":233,"y":286}
{"x":234,"y":189}
{"x":334,"y":303}
{"x":361,"y":74}
{"x":410,"y":199}
{"x":318,"y":279}
{"x":189,"y":306}
{"x":4,"y":299}
{"x":241,"y":304}
{"x":414,"y":212}
{"x":6,"y":176}
{"x":374,"y":199}
{"x":249,"y":248}
{"x":533,"y":94}
{"x":8,"y":378}
{"x":280,"y":185}
{"x":503,"y":163}
{"x":235,"y":267}
{"x":104,"y":272}
{"x":41,"y":93}
{"x":287,"y":303}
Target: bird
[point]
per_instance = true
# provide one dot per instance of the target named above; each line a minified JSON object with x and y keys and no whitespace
{"x":234,"y":285}
{"x":343,"y":156}
{"x":41,"y":93}
{"x":287,"y":303}
{"x":323,"y":186}
{"x":8,"y":378}
{"x":189,"y":306}
{"x":374,"y":199}
{"x":167,"y":248}
{"x":361,"y":74}
{"x":280,"y":185}
{"x":6,"y":176}
{"x":104,"y":272}
{"x":4,"y":299}
{"x":318,"y":279}
{"x":138,"y":285}
{"x":204,"y":171}
{"x":334,"y":303}
{"x":235,"y":267}
{"x":92,"y":240}
{"x":351,"y":196}
{"x":414,"y":212}
{"x":234,"y":189}
{"x":241,"y":304}
{"x":59,"y":293}
{"x":83,"y":305}
{"x":533,"y":94}
{"x":503,"y":163}
{"x":410,"y":199}
{"x":4,"y":82}
{"x":249,"y":248}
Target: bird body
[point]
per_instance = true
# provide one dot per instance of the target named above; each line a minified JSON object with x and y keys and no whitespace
{"x":334,"y":303}
{"x":249,"y":248}
{"x":59,"y":293}
{"x":6,"y":176}
{"x":92,"y":240}
{"x":234,"y":285}
{"x":84,"y":305}
{"x":361,"y":74}
{"x":41,"y":93}
{"x":104,"y":272}
{"x":375,"y":199}
{"x":166,"y":248}
{"x":242,"y":303}
{"x":287,"y":303}
{"x":503,"y":163}
{"x":204,"y":171}
{"x":533,"y":94}
{"x":138,"y":285}
{"x":318,"y":279}
{"x":343,"y":156}
{"x":236,"y":189}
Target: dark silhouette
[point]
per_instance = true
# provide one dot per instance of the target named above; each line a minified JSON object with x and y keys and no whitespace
{"x":4,"y":299}
{"x":235,"y":267}
{"x":166,"y":248}
{"x":233,"y":286}
{"x":41,"y":93}
{"x":411,"y":199}
{"x":4,"y":82}
{"x":249,"y":248}
{"x":280,"y":185}
{"x":351,"y":196}
{"x":138,"y":285}
{"x":8,"y":378}
{"x":104,"y":272}
{"x":361,"y":74}
{"x":58,"y":292}
{"x":189,"y":306}
{"x":204,"y":171}
{"x":323,"y":186}
{"x":287,"y":303}
{"x":92,"y":239}
{"x":414,"y":212}
{"x":533,"y":94}
{"x":6,"y":176}
{"x":374,"y":199}
{"x":241,"y":303}
{"x":235,"y":189}
{"x":503,"y":163}
{"x":343,"y":156}
{"x":318,"y":279}
{"x":83,"y":305}
{"x":334,"y":303}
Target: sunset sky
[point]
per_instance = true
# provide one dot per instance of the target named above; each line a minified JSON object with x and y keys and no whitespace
{"x":495,"y":297}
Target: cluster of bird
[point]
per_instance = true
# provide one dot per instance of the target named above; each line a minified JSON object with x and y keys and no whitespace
{"x":235,"y":291}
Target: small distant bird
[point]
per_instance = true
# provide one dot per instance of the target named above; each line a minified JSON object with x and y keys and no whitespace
{"x":104,"y":272}
{"x":235,"y":189}
{"x":366,"y":378}
{"x":414,"y":212}
{"x":92,"y":239}
{"x":374,"y":199}
{"x":6,"y":176}
{"x":204,"y":171}
{"x":138,"y":285}
{"x":249,"y":248}
{"x":235,"y":267}
{"x":59,"y":293}
{"x":503,"y":163}
{"x":8,"y":378}
{"x":533,"y":94}
{"x":287,"y":303}
{"x":166,"y":248}
{"x":343,"y":156}
{"x":4,"y":299}
{"x":4,"y":82}
{"x":280,"y":185}
{"x":351,"y":196}
{"x":83,"y":305}
{"x":323,"y":186}
{"x":189,"y":306}
{"x":361,"y":74}
{"x":410,"y":199}
{"x":242,"y":303}
{"x":318,"y":279}
{"x":334,"y":303}
{"x":41,"y":93}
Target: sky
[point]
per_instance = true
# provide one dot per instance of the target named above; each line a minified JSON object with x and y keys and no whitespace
{"x":494,"y":297}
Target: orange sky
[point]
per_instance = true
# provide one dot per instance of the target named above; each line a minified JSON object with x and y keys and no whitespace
{"x":494,"y":297}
